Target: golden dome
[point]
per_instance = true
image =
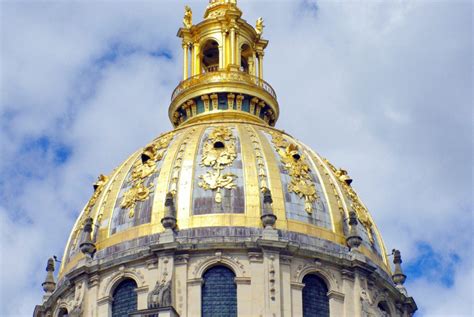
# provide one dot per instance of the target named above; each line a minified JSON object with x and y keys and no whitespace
{"x":222,"y":157}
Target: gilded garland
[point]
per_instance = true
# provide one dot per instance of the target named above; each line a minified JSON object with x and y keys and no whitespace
{"x":295,"y":164}
{"x":356,"y":204}
{"x":142,"y":169}
{"x":218,"y":153}
{"x":98,"y":189}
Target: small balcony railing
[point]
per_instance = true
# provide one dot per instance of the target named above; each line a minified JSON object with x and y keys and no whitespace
{"x":222,"y":76}
{"x":212,"y":68}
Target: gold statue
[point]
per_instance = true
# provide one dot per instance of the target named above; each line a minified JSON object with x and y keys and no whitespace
{"x":259,"y":26}
{"x":188,"y":17}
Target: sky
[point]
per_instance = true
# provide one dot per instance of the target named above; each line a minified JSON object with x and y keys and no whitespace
{"x":380,"y":88}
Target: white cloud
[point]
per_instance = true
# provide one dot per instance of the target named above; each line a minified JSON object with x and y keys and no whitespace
{"x":385,"y":88}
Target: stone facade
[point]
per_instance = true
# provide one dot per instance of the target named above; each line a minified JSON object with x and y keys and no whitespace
{"x":269,"y":277}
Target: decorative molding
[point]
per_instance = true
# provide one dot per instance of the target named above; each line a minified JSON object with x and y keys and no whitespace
{"x":336,"y":295}
{"x":196,"y":281}
{"x":271,"y":277}
{"x":232,"y":262}
{"x":112,"y":280}
{"x":255,"y":257}
{"x":297,"y":286}
{"x":310,"y":268}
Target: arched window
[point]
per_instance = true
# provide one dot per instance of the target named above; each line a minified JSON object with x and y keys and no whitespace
{"x":315,"y":298}
{"x":219,"y":293}
{"x":245,"y":58}
{"x":210,"y":56}
{"x":124,"y":298}
{"x":63,"y":312}
{"x":383,"y":308}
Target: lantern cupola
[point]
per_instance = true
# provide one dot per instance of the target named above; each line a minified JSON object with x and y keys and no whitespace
{"x":222,"y":69}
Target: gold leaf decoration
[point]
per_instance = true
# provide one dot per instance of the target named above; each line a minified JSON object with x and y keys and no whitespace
{"x":98,"y":188}
{"x":142,"y":169}
{"x":218,"y":153}
{"x":301,"y":182}
{"x":138,"y":192}
{"x":362,"y":213}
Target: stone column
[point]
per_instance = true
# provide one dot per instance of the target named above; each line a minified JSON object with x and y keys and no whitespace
{"x":336,"y":303}
{"x":180,"y":284}
{"x":348,"y":290}
{"x":244,"y":296}
{"x":194,"y":297}
{"x":285,"y":279}
{"x":356,"y":295}
{"x":92,"y":296}
{"x":104,"y":306}
{"x":257,"y":286}
{"x":142,"y":297}
{"x":297,"y":298}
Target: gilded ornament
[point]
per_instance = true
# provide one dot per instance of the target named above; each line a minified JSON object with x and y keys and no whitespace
{"x":218,"y":153}
{"x":261,"y":167}
{"x":188,"y":17}
{"x":259,"y":26}
{"x":138,"y":192}
{"x":98,"y":188}
{"x":301,"y":182}
{"x":362,"y":213}
{"x":142,"y":169}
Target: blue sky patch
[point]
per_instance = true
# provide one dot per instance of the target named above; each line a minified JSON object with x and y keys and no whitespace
{"x":433,"y":265}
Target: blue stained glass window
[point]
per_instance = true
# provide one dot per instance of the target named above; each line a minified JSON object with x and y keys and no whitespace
{"x":315,"y":298}
{"x":124,"y":298}
{"x":219,"y":293}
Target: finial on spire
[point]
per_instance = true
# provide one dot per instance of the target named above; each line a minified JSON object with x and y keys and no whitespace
{"x":398,"y":277}
{"x":169,"y":220}
{"x":354,"y":240}
{"x":49,"y":285}
{"x":259,"y":26}
{"x":188,"y":17}
{"x":87,"y":246}
{"x":268,"y":218}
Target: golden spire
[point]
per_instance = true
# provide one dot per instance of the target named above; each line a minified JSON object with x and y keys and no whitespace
{"x":222,"y":69}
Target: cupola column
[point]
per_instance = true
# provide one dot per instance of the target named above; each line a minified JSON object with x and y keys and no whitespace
{"x":195,"y":60}
{"x":185,"y":61}
{"x":232,"y":45}
{"x":221,"y":50}
{"x":260,"y":65}
{"x":192,"y":59}
{"x":253,"y":69}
